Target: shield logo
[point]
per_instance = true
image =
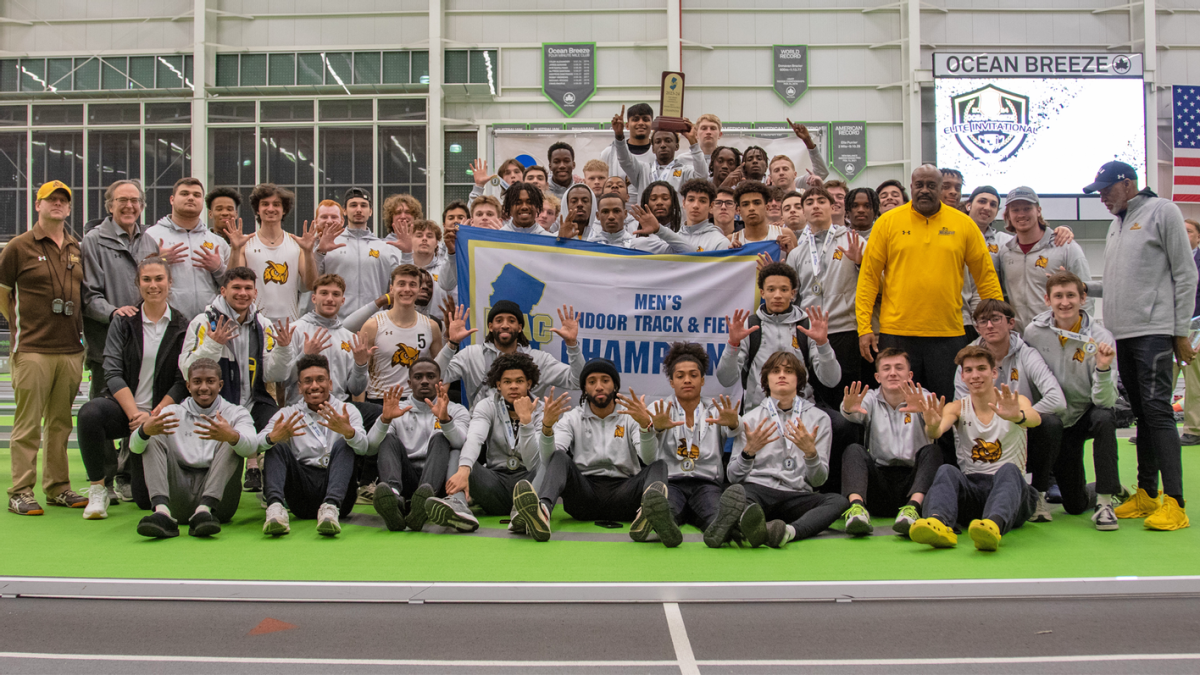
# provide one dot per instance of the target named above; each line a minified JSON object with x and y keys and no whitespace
{"x":991,"y":124}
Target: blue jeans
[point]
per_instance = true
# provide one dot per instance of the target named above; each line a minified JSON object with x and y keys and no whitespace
{"x":1147,"y":370}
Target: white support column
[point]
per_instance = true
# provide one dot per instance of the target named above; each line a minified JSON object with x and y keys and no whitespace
{"x":912,"y":120}
{"x":1150,"y":65}
{"x":435,"y":169}
{"x":199,"y":87}
{"x":674,"y":35}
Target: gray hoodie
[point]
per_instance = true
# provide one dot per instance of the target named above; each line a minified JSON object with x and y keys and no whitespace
{"x":1151,"y":275}
{"x":614,"y":446}
{"x":471,"y":365}
{"x":349,"y":378}
{"x":192,"y":288}
{"x":1024,"y":276}
{"x":1073,"y":366}
{"x":314,"y":446}
{"x":780,"y":465}
{"x":364,"y":262}
{"x":703,"y":444}
{"x":490,"y":427}
{"x":109,"y":280}
{"x":193,"y":451}
{"x":415,"y":428}
{"x":197,"y":345}
{"x":995,"y":241}
{"x":1025,"y":367}
{"x":642,"y":173}
{"x":893,"y":437}
{"x":838,"y":278}
{"x":694,"y":238}
{"x":778,"y":334}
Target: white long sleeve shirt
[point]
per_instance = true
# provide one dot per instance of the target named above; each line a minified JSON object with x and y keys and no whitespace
{"x":314,"y":446}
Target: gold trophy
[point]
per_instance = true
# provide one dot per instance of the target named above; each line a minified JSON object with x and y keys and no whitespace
{"x":670,"y":104}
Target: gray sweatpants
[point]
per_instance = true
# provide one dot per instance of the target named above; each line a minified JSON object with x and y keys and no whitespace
{"x":183,"y":488}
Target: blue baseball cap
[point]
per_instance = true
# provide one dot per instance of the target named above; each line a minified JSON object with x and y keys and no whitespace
{"x":1110,"y":174}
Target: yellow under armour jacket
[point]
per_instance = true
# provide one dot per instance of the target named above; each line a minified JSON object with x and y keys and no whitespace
{"x":918,"y":263}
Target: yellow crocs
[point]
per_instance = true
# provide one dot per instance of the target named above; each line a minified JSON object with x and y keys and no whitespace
{"x":931,"y":531}
{"x":986,"y":534}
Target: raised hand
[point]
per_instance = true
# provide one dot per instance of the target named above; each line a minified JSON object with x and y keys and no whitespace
{"x":661,"y":416}
{"x":812,"y":180}
{"x":762,"y":261}
{"x":914,"y":398}
{"x":237,"y":236}
{"x":735,"y":177}
{"x":174,"y":254}
{"x":635,"y":407}
{"x":479,"y":172}
{"x":163,"y":423}
{"x":403,"y":231}
{"x":569,"y":322}
{"x":217,"y":429}
{"x":450,"y":236}
{"x":1104,"y":355}
{"x":760,"y":436}
{"x":205,"y":259}
{"x":567,"y":229}
{"x":801,"y":132}
{"x":853,"y":249}
{"x":283,"y":333}
{"x":524,"y":407}
{"x":1007,"y":405}
{"x":690,"y":132}
{"x":361,"y":349}
{"x":931,"y":409}
{"x":335,"y":421}
{"x":618,"y":124}
{"x":224,"y":331}
{"x":441,"y":406}
{"x":727,"y":414}
{"x":818,"y":325}
{"x":647,"y":223}
{"x":786,"y":241}
{"x":737,"y":327}
{"x":853,"y":398}
{"x":307,"y":238}
{"x":328,"y":238}
{"x":391,"y":404}
{"x":316,"y":342}
{"x":456,"y":324}
{"x":802,"y":438}
{"x":287,"y":427}
{"x":553,"y":408}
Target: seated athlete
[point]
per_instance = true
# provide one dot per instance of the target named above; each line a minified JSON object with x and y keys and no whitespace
{"x":415,"y":439}
{"x":781,"y":456}
{"x":310,"y":449}
{"x":599,"y":459}
{"x":192,"y":457}
{"x":1023,"y":369}
{"x":1080,"y":353}
{"x":691,"y":440}
{"x":987,"y":488}
{"x":893,"y":472}
{"x":507,"y":421}
{"x":321,"y":332}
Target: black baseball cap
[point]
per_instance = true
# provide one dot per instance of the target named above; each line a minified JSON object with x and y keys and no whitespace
{"x":356,"y":193}
{"x":983,"y":190}
{"x":1110,"y":174}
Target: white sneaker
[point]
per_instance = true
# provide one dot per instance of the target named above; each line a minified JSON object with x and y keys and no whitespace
{"x":277,"y":520}
{"x":327,"y":521}
{"x":1104,"y":518}
{"x":97,"y":506}
{"x":1041,"y":514}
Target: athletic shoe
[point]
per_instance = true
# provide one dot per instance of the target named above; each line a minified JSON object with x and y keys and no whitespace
{"x":1054,"y":494}
{"x":366,"y":494}
{"x":23,"y":504}
{"x":69,"y":499}
{"x":531,"y":510}
{"x":203,"y":524}
{"x":253,"y":480}
{"x":933,"y":532}
{"x":442,"y":512}
{"x":1105,"y":519}
{"x":753,"y":524}
{"x":277,"y":520}
{"x":1170,"y":516}
{"x":858,"y":521}
{"x":1140,"y":505}
{"x":777,"y":534}
{"x":729,"y":510}
{"x":1189,"y":439}
{"x":657,"y":510}
{"x":387,"y":505}
{"x":97,"y":506}
{"x":905,"y":519}
{"x":158,"y":526}
{"x":123,"y":488}
{"x":416,"y":507}
{"x":327,"y":521}
{"x":1041,"y":514}
{"x":516,"y":524}
{"x":113,"y":497}
{"x":985,"y":533}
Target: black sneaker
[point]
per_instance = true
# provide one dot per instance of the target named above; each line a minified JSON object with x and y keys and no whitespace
{"x":776,"y":534}
{"x":69,"y":499}
{"x":387,"y":505}
{"x":202,"y":524}
{"x":729,"y":510}
{"x":416,"y":507}
{"x":657,"y":510}
{"x":754,"y":525}
{"x":533,"y":514}
{"x":253,"y":482}
{"x":158,"y":526}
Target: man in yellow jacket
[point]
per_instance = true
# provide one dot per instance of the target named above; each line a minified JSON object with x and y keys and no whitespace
{"x":916,"y":256}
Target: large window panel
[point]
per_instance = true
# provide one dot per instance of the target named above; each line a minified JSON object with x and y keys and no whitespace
{"x":233,"y":157}
{"x":402,"y":164}
{"x":286,"y":157}
{"x":346,"y":155}
{"x":14,"y":203}
{"x":168,"y":158}
{"x":461,"y":150}
{"x":58,"y":155}
{"x":112,"y":156}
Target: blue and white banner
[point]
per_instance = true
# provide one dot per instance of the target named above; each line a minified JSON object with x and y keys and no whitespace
{"x":632,"y":305}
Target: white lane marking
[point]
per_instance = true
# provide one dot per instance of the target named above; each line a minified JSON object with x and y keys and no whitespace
{"x":1080,"y":658}
{"x":149,"y":658}
{"x":679,"y":637}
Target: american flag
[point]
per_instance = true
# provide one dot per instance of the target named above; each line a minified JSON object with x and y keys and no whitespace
{"x":1186,"y":106}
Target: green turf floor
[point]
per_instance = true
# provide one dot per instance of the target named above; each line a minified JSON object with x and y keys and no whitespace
{"x":61,"y":543}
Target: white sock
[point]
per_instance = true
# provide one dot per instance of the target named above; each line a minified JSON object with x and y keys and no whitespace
{"x":1103,"y":500}
{"x":162,"y":508}
{"x":203,"y":508}
{"x":789,"y":533}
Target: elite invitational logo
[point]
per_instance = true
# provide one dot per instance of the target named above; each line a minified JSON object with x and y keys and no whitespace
{"x":991,"y":124}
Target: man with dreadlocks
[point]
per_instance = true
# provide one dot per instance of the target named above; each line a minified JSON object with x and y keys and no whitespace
{"x":599,"y":459}
{"x":506,"y":325}
{"x":522,"y":204}
{"x":699,"y":234}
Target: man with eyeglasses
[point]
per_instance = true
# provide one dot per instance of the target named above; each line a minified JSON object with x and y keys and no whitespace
{"x":109,"y":290}
{"x":724,"y":211}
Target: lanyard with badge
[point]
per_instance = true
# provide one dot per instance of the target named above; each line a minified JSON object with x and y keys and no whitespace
{"x":511,"y":428}
{"x":789,"y":462}
{"x":59,"y":306}
{"x":817,"y":257}
{"x":662,"y":172}
{"x":1089,"y":343}
{"x":688,"y":449}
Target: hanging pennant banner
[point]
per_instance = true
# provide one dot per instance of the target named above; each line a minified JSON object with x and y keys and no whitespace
{"x":790,"y":71}
{"x":569,"y":74}
{"x":848,"y":147}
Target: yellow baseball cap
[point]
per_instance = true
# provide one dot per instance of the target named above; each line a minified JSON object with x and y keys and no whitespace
{"x":50,"y":188}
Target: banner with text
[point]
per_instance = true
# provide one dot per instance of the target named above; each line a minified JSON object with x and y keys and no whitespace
{"x":569,"y":74}
{"x":631,"y":305}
